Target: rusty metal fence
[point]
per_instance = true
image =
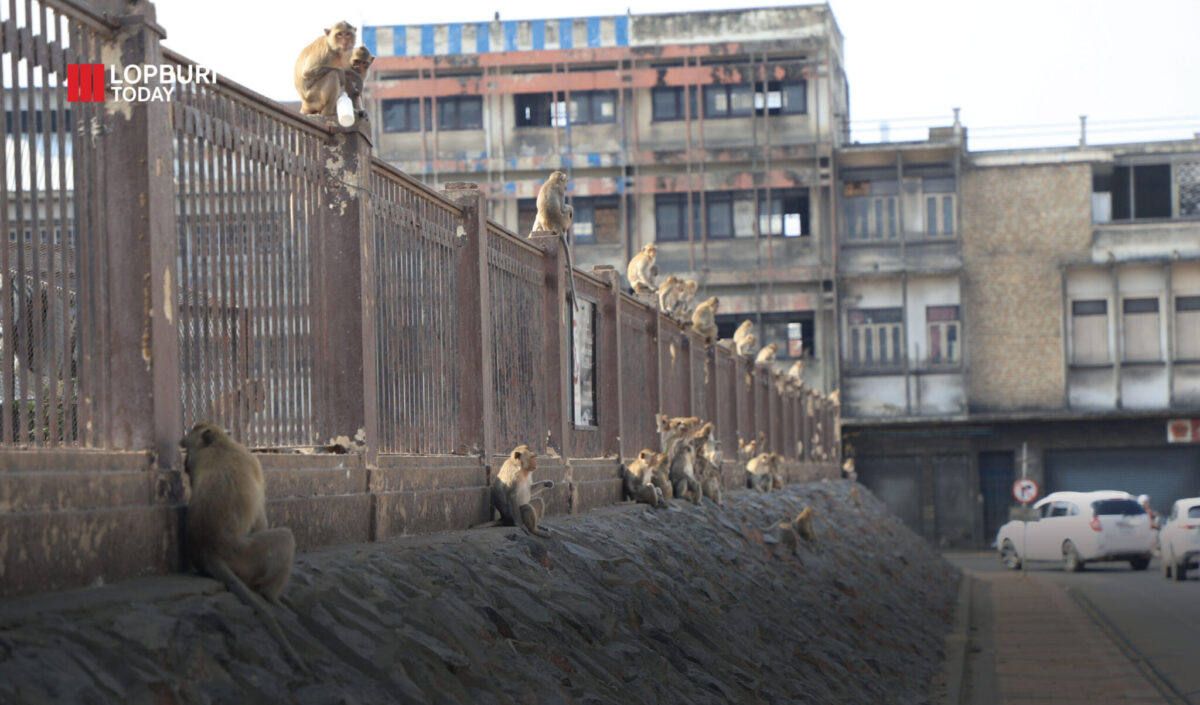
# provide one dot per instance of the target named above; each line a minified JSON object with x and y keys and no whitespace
{"x":247,"y":185}
{"x":215,"y":257}
{"x":417,"y":252}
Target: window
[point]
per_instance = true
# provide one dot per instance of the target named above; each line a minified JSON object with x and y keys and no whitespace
{"x":781,"y":97}
{"x":719,"y":209}
{"x":732,"y":100}
{"x":792,"y":331}
{"x":943,"y":326}
{"x":1187,"y":176}
{"x":593,"y":107}
{"x":1140,"y":319}
{"x":875,"y":336}
{"x":871,"y":210}
{"x":584,"y":225}
{"x":583,"y":363}
{"x":403,"y":115}
{"x":787,"y":215}
{"x":539,"y":110}
{"x":668,"y":102}
{"x":670,"y":215}
{"x":597,"y":219}
{"x":939,"y":215}
{"x":1089,"y":331}
{"x":1141,"y":192}
{"x":460,"y":112}
{"x":1187,"y":327}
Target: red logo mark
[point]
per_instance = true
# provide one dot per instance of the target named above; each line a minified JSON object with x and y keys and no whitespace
{"x":85,"y":83}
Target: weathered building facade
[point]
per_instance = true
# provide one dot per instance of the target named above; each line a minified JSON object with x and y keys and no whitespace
{"x":1073,"y":286}
{"x":711,"y":134}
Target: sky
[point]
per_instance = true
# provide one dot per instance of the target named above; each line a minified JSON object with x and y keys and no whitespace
{"x":1021,"y":71}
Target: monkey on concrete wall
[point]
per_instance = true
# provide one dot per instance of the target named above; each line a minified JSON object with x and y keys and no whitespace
{"x":226,"y":524}
{"x":512,"y":494}
{"x":641,"y":270}
{"x":638,"y":479}
{"x":704,"y":319}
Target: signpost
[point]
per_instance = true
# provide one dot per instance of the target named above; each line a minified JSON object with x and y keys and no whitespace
{"x":1025,"y":491}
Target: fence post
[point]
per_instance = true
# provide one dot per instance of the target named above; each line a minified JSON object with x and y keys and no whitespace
{"x":478,"y":421}
{"x":609,"y":367}
{"x":346,"y":333}
{"x":555,"y":341}
{"x":144,"y":408}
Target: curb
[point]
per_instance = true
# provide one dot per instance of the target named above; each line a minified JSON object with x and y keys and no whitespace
{"x":954,"y":664}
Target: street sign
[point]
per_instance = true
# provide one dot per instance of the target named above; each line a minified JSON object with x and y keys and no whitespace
{"x":1025,"y":491}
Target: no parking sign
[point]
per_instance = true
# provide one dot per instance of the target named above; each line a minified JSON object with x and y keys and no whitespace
{"x":1025,"y":491}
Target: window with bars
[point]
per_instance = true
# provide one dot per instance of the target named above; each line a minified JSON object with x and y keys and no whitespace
{"x":875,"y":337}
{"x":942,"y":325}
{"x":667,"y":103}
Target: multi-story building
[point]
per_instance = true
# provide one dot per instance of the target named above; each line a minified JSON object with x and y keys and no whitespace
{"x":985,"y":314}
{"x":1026,"y":312}
{"x":711,"y":134}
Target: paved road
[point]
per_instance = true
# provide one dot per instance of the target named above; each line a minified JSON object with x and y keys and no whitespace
{"x":1154,"y":621}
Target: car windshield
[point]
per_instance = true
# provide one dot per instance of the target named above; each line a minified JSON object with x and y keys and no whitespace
{"x":1110,"y":507}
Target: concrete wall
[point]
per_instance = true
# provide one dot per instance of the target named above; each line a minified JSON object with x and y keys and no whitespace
{"x":1018,"y":225}
{"x":71,"y":519}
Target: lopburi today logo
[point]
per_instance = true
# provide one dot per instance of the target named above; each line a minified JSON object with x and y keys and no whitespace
{"x":136,"y":83}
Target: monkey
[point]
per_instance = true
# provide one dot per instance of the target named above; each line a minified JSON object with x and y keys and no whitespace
{"x":225,"y":529}
{"x":745,"y":346}
{"x":758,"y":473}
{"x":746,"y":450}
{"x":804,"y":524}
{"x":836,"y":397}
{"x":661,"y":477}
{"x":555,"y":215}
{"x":708,"y":463}
{"x":704,"y":319}
{"x":668,"y":294}
{"x":641,"y":270}
{"x":795,"y":372}
{"x":767,"y":355}
{"x":848,"y":470}
{"x":745,"y":328}
{"x":683,"y":473}
{"x":687,"y":291}
{"x":638,"y":479}
{"x":512,"y":496}
{"x":360,"y":62}
{"x":790,"y":532}
{"x":320,"y":74}
{"x":776,"y":475}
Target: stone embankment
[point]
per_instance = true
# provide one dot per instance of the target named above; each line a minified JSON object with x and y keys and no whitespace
{"x":623,"y":605}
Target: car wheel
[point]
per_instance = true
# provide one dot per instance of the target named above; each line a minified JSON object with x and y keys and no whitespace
{"x":1072,"y":563}
{"x":1167,"y":567}
{"x":1180,"y":568}
{"x":1008,"y":556}
{"x":1139,"y":563}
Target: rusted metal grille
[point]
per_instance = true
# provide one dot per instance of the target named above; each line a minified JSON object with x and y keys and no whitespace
{"x":745,"y":400}
{"x":52,"y":273}
{"x":638,"y":379}
{"x":704,"y":380}
{"x":247,"y":181}
{"x":675,"y":367}
{"x":727,"y":410}
{"x":762,"y":406}
{"x":415,"y":277}
{"x":515,"y":285}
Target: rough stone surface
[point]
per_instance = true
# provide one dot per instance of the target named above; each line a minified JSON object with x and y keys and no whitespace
{"x":623,"y":605}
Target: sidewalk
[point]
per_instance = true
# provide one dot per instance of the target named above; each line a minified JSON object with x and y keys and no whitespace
{"x":1029,"y":642}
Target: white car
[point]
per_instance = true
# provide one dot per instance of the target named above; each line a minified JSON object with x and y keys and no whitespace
{"x":1179,"y":539}
{"x":1078,"y":528}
